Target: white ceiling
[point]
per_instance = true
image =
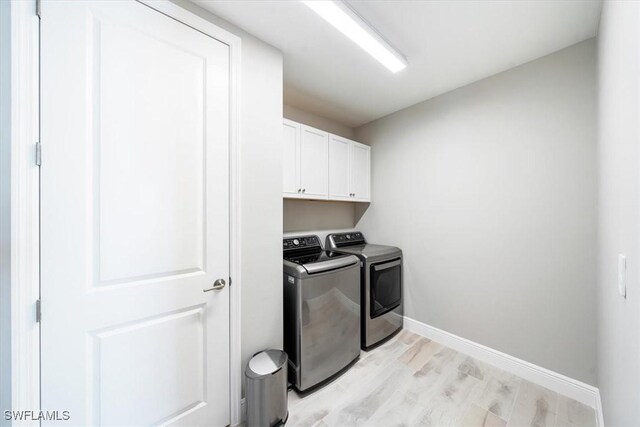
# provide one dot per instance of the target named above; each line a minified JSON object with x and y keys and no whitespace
{"x":448,"y":44}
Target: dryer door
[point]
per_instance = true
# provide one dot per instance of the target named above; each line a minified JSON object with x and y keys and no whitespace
{"x":386,"y":286}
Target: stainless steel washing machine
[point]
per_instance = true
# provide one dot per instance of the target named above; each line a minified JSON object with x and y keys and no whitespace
{"x":321,"y":311}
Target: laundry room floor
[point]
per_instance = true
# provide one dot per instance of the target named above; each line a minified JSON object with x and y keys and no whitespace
{"x":413,"y":381}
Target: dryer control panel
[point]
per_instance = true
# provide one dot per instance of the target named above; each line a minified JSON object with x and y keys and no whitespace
{"x":347,"y":239}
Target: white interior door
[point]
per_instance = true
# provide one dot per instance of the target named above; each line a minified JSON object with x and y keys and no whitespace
{"x":360,"y":173}
{"x":339,"y":168}
{"x":290,"y":158}
{"x":135,"y":112}
{"x":314,"y":162}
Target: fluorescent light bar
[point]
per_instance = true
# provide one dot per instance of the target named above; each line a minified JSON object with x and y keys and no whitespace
{"x":349,"y":23}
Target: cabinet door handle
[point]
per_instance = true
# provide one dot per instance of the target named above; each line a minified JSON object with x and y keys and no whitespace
{"x":299,"y":190}
{"x":304,"y":189}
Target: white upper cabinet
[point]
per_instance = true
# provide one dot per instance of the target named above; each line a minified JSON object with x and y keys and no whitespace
{"x":339,"y":152}
{"x":349,"y":174}
{"x":290,"y":158}
{"x":360,"y":172}
{"x":305,"y":161}
{"x":318,"y":165}
{"x":314,"y":163}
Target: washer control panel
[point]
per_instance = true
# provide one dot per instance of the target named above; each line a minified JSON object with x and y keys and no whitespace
{"x":300,"y":242}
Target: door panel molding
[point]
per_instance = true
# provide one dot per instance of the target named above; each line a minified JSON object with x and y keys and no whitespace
{"x":107,"y":343}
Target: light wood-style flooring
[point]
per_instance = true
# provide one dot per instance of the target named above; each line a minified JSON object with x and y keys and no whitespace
{"x":412,"y":381}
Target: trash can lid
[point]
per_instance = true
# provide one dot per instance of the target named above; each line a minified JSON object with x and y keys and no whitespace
{"x":267,"y":362}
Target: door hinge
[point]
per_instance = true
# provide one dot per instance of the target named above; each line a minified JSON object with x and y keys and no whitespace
{"x":230,"y":281}
{"x":39,"y":8}
{"x":38,"y":154}
{"x":38,"y":311}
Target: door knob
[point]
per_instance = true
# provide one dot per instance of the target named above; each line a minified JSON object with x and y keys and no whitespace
{"x":217,"y":285}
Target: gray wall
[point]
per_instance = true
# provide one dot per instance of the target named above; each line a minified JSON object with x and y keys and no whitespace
{"x":305,"y":215}
{"x":619,"y":214}
{"x":261,"y":187}
{"x":490,"y":190}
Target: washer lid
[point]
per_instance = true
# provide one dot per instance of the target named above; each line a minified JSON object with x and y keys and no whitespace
{"x":317,"y":263}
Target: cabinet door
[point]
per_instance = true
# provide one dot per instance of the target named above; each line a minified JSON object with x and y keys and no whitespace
{"x":314,"y":163}
{"x":339,"y":168}
{"x":360,"y":172}
{"x":290,"y":159}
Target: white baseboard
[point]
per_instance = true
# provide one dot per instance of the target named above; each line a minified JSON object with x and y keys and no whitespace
{"x":569,"y":387}
{"x":243,"y":412}
{"x":243,"y":409}
{"x":599,"y":411}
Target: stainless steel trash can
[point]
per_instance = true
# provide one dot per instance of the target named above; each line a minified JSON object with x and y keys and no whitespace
{"x":267,"y":382}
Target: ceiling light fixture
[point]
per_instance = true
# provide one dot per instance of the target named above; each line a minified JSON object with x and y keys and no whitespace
{"x":349,"y":23}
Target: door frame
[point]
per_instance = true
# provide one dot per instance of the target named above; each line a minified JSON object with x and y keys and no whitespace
{"x":20,"y":207}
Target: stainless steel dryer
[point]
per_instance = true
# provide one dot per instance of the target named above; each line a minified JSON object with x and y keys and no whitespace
{"x":321,"y":311}
{"x":381,"y":285}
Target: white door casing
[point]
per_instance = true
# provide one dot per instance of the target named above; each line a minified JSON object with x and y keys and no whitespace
{"x":20,"y":182}
{"x":135,"y":216}
{"x":314,"y":162}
